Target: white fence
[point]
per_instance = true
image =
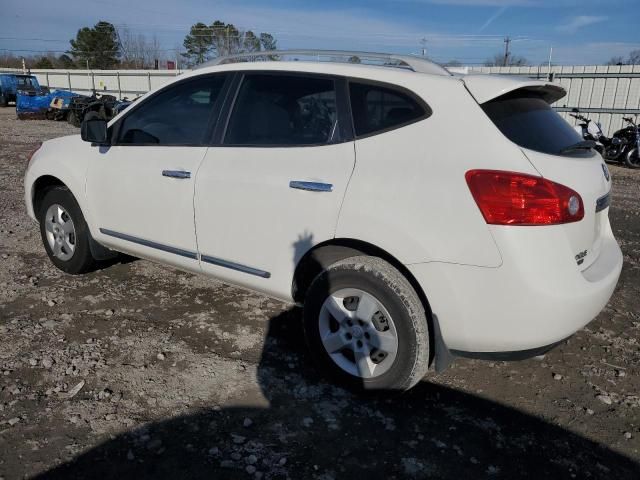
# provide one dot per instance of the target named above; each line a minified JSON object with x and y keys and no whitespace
{"x":604,"y":93}
{"x":121,"y":83}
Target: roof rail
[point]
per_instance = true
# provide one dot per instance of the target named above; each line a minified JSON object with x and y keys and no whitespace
{"x":409,"y":62}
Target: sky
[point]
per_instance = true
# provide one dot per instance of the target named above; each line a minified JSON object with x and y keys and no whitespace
{"x":581,"y":32}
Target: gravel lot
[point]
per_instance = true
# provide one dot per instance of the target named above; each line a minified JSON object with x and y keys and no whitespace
{"x":141,"y":370}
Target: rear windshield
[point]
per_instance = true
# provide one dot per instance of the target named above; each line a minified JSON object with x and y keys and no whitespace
{"x":528,"y":120}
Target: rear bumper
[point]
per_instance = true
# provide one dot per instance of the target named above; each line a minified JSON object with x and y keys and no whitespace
{"x":507,"y":356}
{"x":537,"y":298}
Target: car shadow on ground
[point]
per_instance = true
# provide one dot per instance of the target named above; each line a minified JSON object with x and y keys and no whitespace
{"x":313,"y":429}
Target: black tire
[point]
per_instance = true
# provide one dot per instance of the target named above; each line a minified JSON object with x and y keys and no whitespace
{"x":378,"y":278}
{"x":73,"y":119}
{"x":632,"y":159}
{"x":3,"y":101}
{"x":81,"y":261}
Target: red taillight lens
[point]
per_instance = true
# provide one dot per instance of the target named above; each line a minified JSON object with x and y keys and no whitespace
{"x":508,"y":198}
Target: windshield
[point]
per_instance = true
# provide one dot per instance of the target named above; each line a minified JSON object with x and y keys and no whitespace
{"x":26,"y":81}
{"x":527,"y":119}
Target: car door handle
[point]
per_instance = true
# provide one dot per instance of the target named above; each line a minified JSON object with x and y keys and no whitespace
{"x":176,"y":174}
{"x":311,"y":186}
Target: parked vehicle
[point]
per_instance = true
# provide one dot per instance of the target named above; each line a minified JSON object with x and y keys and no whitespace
{"x":625,"y":145}
{"x":51,"y":105}
{"x":11,"y":84}
{"x":590,"y":130}
{"x":102,"y":106}
{"x":343,"y":188}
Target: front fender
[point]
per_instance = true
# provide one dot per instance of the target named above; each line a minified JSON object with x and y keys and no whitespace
{"x":63,"y":159}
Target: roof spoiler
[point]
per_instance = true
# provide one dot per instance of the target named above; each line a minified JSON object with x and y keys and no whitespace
{"x":485,"y":87}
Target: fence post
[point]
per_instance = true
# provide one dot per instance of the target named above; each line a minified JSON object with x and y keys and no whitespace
{"x":119,"y":89}
{"x":69,"y":79}
{"x":46,"y":75}
{"x":93,"y":81}
{"x":149,"y":80}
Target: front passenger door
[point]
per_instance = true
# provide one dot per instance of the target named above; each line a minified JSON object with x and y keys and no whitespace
{"x":140,"y":189}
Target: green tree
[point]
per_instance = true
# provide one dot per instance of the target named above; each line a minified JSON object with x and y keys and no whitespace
{"x":43,"y":62}
{"x":65,"y":61}
{"x":198,"y":44}
{"x":226,"y":38}
{"x":98,"y":46}
{"x":220,"y":39}
{"x":250,"y":43}
{"x":268,"y":42}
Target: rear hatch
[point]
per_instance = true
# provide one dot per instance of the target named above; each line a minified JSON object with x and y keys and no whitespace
{"x":521,"y":109}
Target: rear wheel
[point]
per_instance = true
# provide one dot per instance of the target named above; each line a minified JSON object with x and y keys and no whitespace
{"x":3,"y":101}
{"x":632,"y":159}
{"x":366,"y":327}
{"x":64,"y":232}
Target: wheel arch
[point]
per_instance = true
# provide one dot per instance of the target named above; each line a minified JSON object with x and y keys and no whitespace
{"x":324,"y":254}
{"x":39,"y":189}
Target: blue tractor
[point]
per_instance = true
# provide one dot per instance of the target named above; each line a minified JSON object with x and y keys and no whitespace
{"x":12,"y":83}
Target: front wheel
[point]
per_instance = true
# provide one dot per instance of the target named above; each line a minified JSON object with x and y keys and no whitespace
{"x":632,"y":159}
{"x":366,"y":326}
{"x":64,"y":232}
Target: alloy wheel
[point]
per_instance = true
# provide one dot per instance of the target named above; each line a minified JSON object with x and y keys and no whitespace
{"x":358,"y":333}
{"x":60,"y":232}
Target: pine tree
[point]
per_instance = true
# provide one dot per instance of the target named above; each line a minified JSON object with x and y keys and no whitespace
{"x":98,"y":46}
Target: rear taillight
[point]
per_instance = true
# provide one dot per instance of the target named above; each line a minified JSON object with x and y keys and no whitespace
{"x":33,"y":152}
{"x":508,"y":198}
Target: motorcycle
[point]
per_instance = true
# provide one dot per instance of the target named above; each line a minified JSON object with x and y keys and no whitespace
{"x":625,"y":145}
{"x":590,"y":130}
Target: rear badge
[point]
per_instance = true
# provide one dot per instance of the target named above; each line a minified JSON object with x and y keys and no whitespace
{"x":580,"y":257}
{"x":605,"y":170}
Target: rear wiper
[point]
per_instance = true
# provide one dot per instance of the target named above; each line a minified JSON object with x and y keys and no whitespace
{"x":583,"y":145}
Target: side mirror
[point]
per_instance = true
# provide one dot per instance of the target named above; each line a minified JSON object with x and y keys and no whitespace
{"x":94,"y":130}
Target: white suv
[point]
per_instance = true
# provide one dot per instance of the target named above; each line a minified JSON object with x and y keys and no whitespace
{"x":415,"y":214}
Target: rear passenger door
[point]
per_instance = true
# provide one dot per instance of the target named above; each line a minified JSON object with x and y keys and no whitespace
{"x":274,"y":186}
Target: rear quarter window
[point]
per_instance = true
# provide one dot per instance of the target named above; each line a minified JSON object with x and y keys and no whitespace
{"x":528,"y":120}
{"x":377,"y":109}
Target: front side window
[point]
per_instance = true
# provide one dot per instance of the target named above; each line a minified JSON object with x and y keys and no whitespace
{"x":377,"y":109}
{"x":177,"y":116}
{"x":283,"y":110}
{"x":528,"y":120}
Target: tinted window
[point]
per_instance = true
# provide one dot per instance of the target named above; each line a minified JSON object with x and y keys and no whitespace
{"x":283,"y":110}
{"x":176,"y":116}
{"x":26,"y":81}
{"x":378,"y":108}
{"x":528,"y":120}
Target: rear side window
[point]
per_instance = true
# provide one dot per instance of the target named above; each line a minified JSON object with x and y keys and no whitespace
{"x":529,"y":121}
{"x":377,"y":109}
{"x":272,"y":110}
{"x":178,"y":115}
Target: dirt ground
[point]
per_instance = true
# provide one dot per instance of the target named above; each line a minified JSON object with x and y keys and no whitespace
{"x":138,"y":370}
